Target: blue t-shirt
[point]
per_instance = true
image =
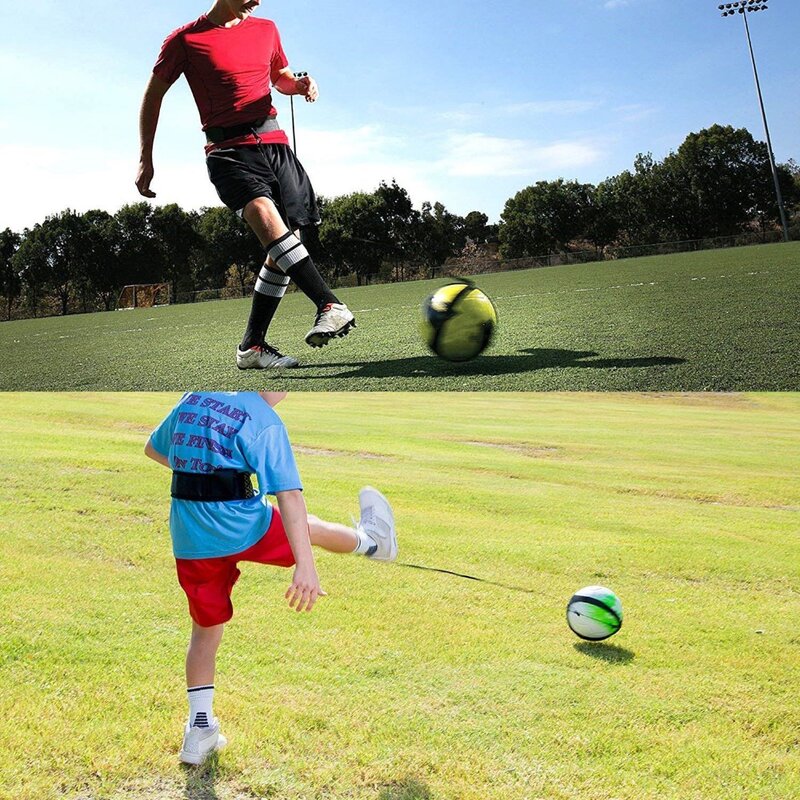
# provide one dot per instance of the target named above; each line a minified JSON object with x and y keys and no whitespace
{"x":207,"y":431}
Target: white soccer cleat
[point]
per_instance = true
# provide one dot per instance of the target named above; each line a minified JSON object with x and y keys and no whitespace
{"x":263,"y":356}
{"x":200,"y":743}
{"x":333,"y":321}
{"x":377,"y":521}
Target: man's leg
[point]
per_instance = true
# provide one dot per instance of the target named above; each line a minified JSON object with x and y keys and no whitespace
{"x":288,"y":257}
{"x":202,"y":735}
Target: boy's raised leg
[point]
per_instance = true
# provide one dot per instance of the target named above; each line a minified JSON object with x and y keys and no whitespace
{"x":374,"y":536}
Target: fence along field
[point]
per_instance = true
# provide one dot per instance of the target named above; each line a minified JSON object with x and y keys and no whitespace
{"x":720,"y":320}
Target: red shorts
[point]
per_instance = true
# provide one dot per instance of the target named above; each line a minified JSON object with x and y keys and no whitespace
{"x":208,"y":582}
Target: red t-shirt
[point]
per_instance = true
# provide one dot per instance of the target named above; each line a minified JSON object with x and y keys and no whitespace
{"x":229,"y":71}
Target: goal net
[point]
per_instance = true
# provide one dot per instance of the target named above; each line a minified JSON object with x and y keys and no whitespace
{"x":143,"y":295}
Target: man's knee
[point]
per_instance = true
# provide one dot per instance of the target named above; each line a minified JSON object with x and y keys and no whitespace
{"x":261,"y":213}
{"x":260,"y":206}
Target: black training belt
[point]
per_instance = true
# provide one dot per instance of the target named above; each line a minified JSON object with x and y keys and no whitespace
{"x":224,"y":484}
{"x":263,"y":125}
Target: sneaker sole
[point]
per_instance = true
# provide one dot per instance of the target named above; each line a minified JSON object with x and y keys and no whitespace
{"x":274,"y":366}
{"x":195,"y":760}
{"x":321,"y":339}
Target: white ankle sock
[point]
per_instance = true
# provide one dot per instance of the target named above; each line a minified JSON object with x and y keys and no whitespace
{"x":200,"y":700}
{"x":366,"y":544}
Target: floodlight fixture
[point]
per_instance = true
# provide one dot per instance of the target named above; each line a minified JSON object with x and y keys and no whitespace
{"x":744,"y":7}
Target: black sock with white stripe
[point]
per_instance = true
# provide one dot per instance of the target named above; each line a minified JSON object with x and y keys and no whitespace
{"x":200,"y":700}
{"x":269,"y":291}
{"x":291,"y":257}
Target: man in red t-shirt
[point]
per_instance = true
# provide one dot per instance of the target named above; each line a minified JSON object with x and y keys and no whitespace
{"x":231,"y":59}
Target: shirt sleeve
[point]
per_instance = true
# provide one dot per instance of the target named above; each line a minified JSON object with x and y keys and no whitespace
{"x":161,"y":437}
{"x":271,"y":458}
{"x":172,"y":59}
{"x":279,"y":60}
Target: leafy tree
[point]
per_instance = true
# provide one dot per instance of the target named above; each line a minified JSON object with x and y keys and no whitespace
{"x":140,"y":260}
{"x":718,"y":181}
{"x":544,"y":218}
{"x":10,"y":283}
{"x":441,"y":235}
{"x":227,"y":243}
{"x":477,"y":228}
{"x":50,"y":258}
{"x":178,"y":244}
{"x":103,"y":256}
{"x":30,"y":262}
{"x":638,"y":202}
{"x":400,"y":223}
{"x":603,"y":216}
{"x":352,"y":235}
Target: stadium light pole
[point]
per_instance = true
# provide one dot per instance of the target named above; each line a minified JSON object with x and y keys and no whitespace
{"x":745,"y":7}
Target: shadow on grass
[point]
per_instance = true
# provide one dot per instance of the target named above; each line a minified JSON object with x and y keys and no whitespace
{"x":529,"y":360}
{"x":201,"y":780}
{"x":406,"y":789}
{"x":611,"y":653}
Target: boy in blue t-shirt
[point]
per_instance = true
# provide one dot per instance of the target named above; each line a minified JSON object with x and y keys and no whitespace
{"x":213,"y":442}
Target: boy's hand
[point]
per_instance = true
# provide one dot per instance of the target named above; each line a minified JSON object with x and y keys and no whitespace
{"x":305,"y":589}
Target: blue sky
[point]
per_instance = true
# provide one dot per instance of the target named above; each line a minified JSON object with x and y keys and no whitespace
{"x":460,"y":101}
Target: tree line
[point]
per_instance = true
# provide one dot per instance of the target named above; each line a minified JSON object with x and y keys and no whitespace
{"x":718,"y":183}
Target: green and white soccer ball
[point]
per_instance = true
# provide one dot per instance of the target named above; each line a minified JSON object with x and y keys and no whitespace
{"x":458,"y":321}
{"x":594,"y":613}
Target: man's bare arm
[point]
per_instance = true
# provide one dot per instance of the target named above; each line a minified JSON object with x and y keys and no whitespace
{"x":148,"y":123}
{"x":151,"y":452}
{"x":287,"y":83}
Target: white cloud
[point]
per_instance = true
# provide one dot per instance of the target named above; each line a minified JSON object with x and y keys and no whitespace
{"x":43,"y":180}
{"x":479,"y":155}
{"x":358,"y":159}
{"x":456,"y":168}
{"x":616,"y":3}
{"x":471,"y":112}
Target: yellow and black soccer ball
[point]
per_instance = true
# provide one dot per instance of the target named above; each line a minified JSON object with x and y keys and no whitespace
{"x":458,"y":321}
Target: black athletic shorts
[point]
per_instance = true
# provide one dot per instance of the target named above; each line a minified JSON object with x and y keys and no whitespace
{"x":241,"y":174}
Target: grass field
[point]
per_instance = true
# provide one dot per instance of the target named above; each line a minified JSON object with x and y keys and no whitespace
{"x":403,"y":684}
{"x":720,"y":320}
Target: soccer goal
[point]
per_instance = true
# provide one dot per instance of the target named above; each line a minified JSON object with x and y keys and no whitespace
{"x":143,"y":295}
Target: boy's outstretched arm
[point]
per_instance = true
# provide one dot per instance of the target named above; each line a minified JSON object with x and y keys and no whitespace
{"x":151,"y":452}
{"x":305,"y":588}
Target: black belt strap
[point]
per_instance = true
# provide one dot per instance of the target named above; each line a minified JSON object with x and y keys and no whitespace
{"x":224,"y":484}
{"x":264,"y":125}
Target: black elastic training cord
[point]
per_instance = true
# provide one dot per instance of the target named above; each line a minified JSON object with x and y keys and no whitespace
{"x":469,"y":578}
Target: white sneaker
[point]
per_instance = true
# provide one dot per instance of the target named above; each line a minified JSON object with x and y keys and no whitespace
{"x":262,"y":356}
{"x":199,"y":743}
{"x":333,"y":321}
{"x":377,"y":521}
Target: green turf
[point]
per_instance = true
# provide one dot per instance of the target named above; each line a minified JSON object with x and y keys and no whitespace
{"x":719,"y":320}
{"x":403,"y":684}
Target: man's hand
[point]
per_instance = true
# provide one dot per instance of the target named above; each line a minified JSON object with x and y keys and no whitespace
{"x":144,"y":178}
{"x":307,"y":87}
{"x":305,"y":589}
{"x":148,"y":122}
